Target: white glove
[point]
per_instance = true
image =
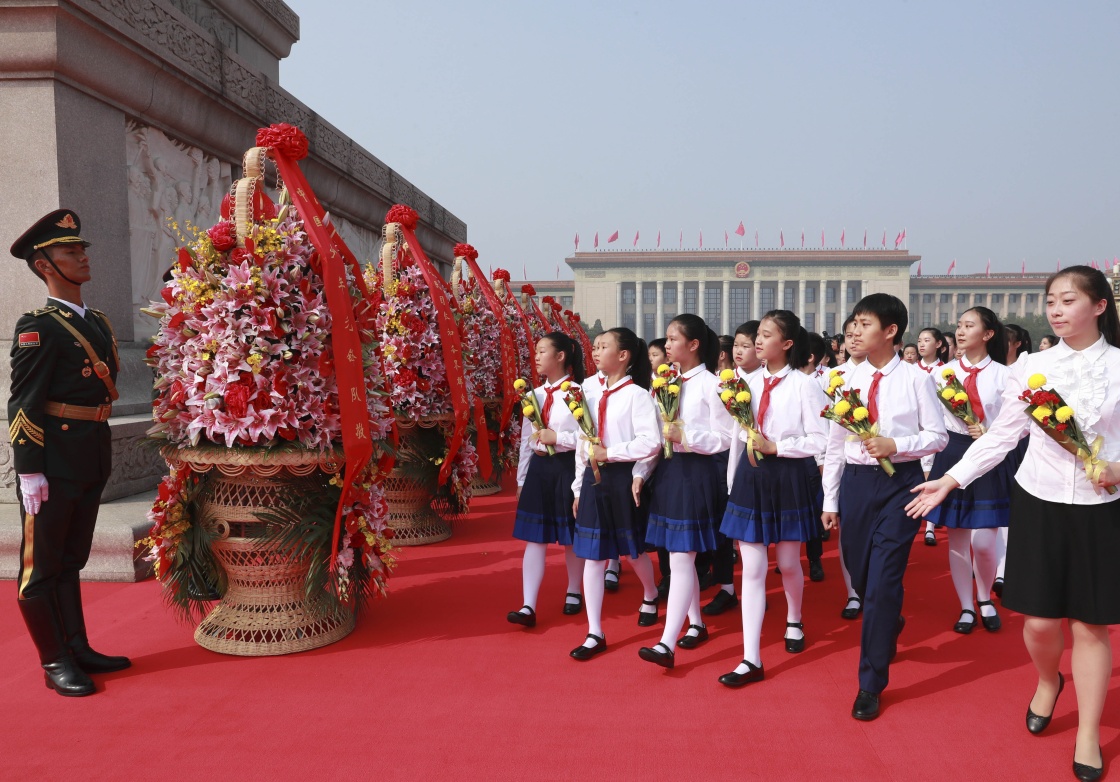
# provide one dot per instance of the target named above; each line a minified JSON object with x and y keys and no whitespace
{"x":34,"y":490}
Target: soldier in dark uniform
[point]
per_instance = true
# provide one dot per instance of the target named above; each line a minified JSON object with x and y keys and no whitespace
{"x":64,"y":368}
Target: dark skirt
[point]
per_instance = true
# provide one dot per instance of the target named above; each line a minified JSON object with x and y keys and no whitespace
{"x":544,"y":510}
{"x":778,"y":500}
{"x":1061,"y":560}
{"x":608,"y":525}
{"x":688,"y":501}
{"x":983,"y":504}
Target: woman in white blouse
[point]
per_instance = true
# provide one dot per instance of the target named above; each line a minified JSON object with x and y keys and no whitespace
{"x":1061,"y":559}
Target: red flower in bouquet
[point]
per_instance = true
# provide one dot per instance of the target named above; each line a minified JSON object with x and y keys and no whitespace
{"x":237,"y":399}
{"x":286,"y":139}
{"x":223,"y":236}
{"x":405,"y":215}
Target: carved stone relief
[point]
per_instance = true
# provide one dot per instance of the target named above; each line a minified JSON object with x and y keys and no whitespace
{"x":364,"y":243}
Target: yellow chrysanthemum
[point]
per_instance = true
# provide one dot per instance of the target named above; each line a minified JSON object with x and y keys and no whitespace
{"x":948,"y":372}
{"x":843,"y":407}
{"x":577,"y":413}
{"x":572,"y":405}
{"x":1063,"y":413}
{"x":726,"y":375}
{"x":527,"y":410}
{"x":565,"y":385}
{"x":836,"y":373}
{"x":743,"y":397}
{"x":659,"y":382}
{"x":1042,"y":412}
{"x":520,"y":384}
{"x":860,"y":414}
{"x":947,"y":394}
{"x":835,"y":383}
{"x":726,"y":395}
{"x":960,"y":396}
{"x":674,"y":389}
{"x":1036,"y":381}
{"x":662,"y":369}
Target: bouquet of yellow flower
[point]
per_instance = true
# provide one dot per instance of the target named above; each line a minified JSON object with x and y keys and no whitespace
{"x":955,"y":398}
{"x":850,"y":412}
{"x":574,"y":399}
{"x":667,"y":395}
{"x":836,"y":381}
{"x":736,"y":397}
{"x":530,"y":409}
{"x":1050,"y":411}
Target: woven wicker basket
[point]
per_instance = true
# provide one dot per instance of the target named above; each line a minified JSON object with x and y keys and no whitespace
{"x":411,"y":516}
{"x":485,"y":488}
{"x":265,"y":610}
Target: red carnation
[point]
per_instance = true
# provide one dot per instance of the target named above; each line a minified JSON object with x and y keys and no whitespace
{"x":239,"y":256}
{"x":463,"y":250}
{"x":500,"y":274}
{"x":405,"y":215}
{"x":237,"y":400}
{"x":223,"y":236}
{"x":286,"y":139}
{"x":528,"y":289}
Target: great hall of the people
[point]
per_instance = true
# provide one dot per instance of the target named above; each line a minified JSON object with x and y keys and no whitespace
{"x":645,"y":289}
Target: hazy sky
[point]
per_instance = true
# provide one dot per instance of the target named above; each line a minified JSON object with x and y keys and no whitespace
{"x":985,"y":129}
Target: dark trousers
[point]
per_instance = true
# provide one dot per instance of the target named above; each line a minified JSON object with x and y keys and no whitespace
{"x":723,"y":560}
{"x":877,"y":539}
{"x":57,"y":540}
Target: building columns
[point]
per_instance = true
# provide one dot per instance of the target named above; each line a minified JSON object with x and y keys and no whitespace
{"x":618,"y":306}
{"x":680,"y":297}
{"x":780,"y":296}
{"x":822,"y":317}
{"x":701,"y":288}
{"x":659,"y":322}
{"x":725,"y":308}
{"x":756,"y":301}
{"x":801,"y":286}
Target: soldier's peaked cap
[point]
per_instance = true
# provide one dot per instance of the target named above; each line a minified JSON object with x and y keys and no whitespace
{"x":61,"y":226}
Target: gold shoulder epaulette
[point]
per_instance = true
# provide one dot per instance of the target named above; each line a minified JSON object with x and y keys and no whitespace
{"x":43,"y":311}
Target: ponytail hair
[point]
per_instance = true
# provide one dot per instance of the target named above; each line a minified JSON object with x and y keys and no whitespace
{"x":639,"y":368}
{"x":938,"y":337}
{"x":789,"y":325}
{"x":1093,"y":284}
{"x":694,"y":328}
{"x":573,"y":353}
{"x":997,"y":345}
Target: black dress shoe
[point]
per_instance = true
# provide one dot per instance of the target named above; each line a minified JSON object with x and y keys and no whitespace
{"x":850,"y":611}
{"x":931,"y":539}
{"x":723,"y":601}
{"x":796,"y":645}
{"x":816,"y":570}
{"x":655,"y":655}
{"x":692,"y":641}
{"x":663,"y":589}
{"x":648,"y":618}
{"x":60,"y":671}
{"x":519,"y":618}
{"x":584,"y":653}
{"x":571,"y":609}
{"x":70,"y":610}
{"x":963,"y":627}
{"x":1037,"y":724}
{"x":707,"y":579}
{"x":991,"y":623}
{"x":1088,"y":773}
{"x":866,"y":707}
{"x":609,"y":583}
{"x":997,"y":587}
{"x":754,"y":674}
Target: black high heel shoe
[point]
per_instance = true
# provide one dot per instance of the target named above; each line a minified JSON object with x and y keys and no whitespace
{"x":648,"y":618}
{"x":963,"y":627}
{"x":571,"y":609}
{"x":525,"y":620}
{"x":692,"y":641}
{"x":1037,"y":724}
{"x":654,"y":655}
{"x":754,"y":674}
{"x":584,"y":653}
{"x":1088,"y":773}
{"x":795,"y":645}
{"x":991,"y":623}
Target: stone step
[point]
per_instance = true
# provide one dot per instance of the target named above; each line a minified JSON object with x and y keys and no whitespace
{"x":113,"y":557}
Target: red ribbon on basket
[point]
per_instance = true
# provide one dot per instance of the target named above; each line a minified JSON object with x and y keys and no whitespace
{"x":450,"y":343}
{"x":287,"y":144}
{"x":532,"y":345}
{"x":539,"y":315}
{"x":505,"y":342}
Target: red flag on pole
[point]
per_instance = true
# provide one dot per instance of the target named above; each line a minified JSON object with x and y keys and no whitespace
{"x":988,"y":270}
{"x":741,"y":230}
{"x":952,"y":266}
{"x":613,"y":237}
{"x":898,"y":240}
{"x":919,"y":268}
{"x":756,"y":238}
{"x":577,"y":241}
{"x":725,"y":239}
{"x":659,"y":238}
{"x":1059,"y":264}
{"x":596,"y":238}
{"x":803,"y":238}
{"x":865,"y":238}
{"x":701,"y":240}
{"x":782,"y":238}
{"x":884,"y":237}
{"x":681,"y":245}
{"x":843,"y":231}
{"x":636,"y":238}
{"x":822,"y":238}
{"x":524,"y":272}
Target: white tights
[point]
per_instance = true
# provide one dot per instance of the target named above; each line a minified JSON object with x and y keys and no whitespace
{"x":532,"y":572}
{"x":684,"y":596}
{"x":594,"y":588}
{"x":843,"y":567}
{"x":753,"y":598}
{"x":984,"y":548}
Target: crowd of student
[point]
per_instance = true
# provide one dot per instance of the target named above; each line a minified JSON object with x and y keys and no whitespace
{"x":708,"y":498}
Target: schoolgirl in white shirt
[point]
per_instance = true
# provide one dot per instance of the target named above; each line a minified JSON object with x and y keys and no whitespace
{"x":932,"y":354}
{"x":544,"y":482}
{"x":689,"y":489}
{"x":610,"y":519}
{"x":1061,"y":561}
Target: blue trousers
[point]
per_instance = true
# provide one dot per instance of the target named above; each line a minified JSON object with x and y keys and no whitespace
{"x":877,"y":536}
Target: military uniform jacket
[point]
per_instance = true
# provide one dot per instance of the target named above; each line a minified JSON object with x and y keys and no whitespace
{"x":50,"y":365}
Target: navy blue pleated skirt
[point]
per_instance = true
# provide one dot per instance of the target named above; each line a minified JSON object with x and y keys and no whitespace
{"x":778,"y":500}
{"x":986,"y":502}
{"x":688,"y":500}
{"x":608,"y":525}
{"x":544,"y":510}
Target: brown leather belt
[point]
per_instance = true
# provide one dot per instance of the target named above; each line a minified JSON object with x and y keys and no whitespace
{"x":78,"y":412}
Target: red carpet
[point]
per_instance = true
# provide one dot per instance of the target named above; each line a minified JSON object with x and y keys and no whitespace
{"x":435,"y":684}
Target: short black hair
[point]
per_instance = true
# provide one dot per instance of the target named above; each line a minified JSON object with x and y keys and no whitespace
{"x":749,"y":329}
{"x":658,"y":343}
{"x":888,"y":310}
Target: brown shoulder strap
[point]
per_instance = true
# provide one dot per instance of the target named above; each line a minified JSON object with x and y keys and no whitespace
{"x":109,"y":324}
{"x":99,"y":366}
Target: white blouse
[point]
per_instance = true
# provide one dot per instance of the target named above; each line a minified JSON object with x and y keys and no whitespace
{"x":793,"y":417}
{"x":909,"y":413}
{"x":633,"y":429}
{"x":990,"y":384}
{"x":707,"y":426}
{"x":559,"y":420}
{"x":1083,"y":378}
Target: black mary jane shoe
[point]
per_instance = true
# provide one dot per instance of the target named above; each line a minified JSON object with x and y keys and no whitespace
{"x":796,"y":645}
{"x":931,"y":539}
{"x":1088,"y":773}
{"x":997,"y":587}
{"x":963,"y":627}
{"x":816,"y":571}
{"x":648,"y":618}
{"x":523,"y":619}
{"x":723,"y":601}
{"x":866,"y":707}
{"x":611,"y":584}
{"x":1035,"y":723}
{"x":687,"y":641}
{"x":850,"y":611}
{"x":584,"y":653}
{"x":754,"y":674}
{"x":571,"y":609}
{"x":991,"y":623}
{"x":654,"y":655}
